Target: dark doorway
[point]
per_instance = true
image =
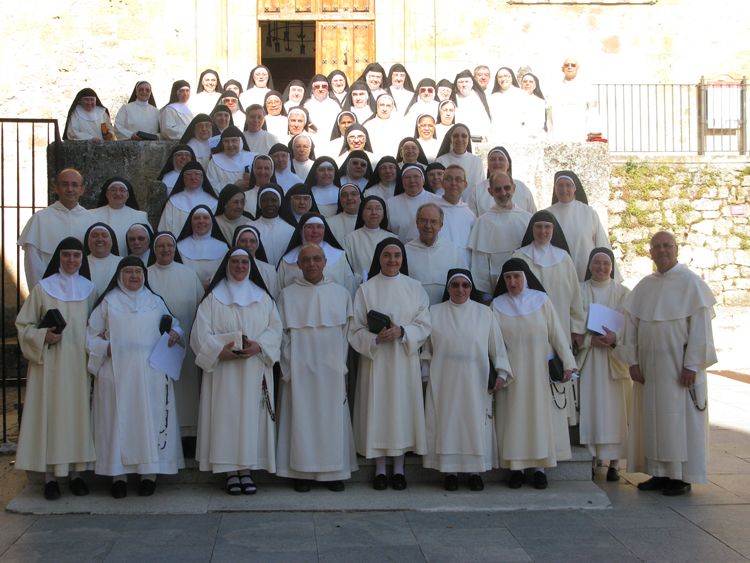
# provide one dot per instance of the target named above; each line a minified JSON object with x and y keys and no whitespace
{"x":288,"y":50}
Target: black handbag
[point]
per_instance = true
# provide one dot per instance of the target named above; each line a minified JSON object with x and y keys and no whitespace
{"x":556,"y":371}
{"x":377,"y":321}
{"x":165,"y":325}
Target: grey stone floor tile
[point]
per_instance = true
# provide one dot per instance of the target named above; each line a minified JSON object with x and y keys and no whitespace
{"x":738,"y":484}
{"x":373,"y":554}
{"x":456,"y":520}
{"x":624,"y":493}
{"x":728,"y":524}
{"x":184,"y":529}
{"x":363,"y":530}
{"x":560,"y":546}
{"x":132,"y":552}
{"x":12,"y":526}
{"x":676,"y":545}
{"x":267,"y":524}
{"x":62,"y":552}
{"x":655,"y":517}
{"x":74,"y":528}
{"x":470,"y":546}
{"x":233,"y":553}
{"x":565,"y":523}
{"x":720,"y":489}
{"x":723,"y":463}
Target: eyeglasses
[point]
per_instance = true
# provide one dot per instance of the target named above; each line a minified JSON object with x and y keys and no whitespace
{"x":117,"y":190}
{"x":463,"y":285}
{"x":665,"y":246}
{"x":320,"y":86}
{"x":427,"y":90}
{"x":570,"y":65}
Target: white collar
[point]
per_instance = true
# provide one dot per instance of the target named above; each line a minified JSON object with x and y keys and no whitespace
{"x":204,"y":247}
{"x":67,"y":287}
{"x":93,"y":115}
{"x":181,"y":108}
{"x":544,"y":255}
{"x":188,"y":200}
{"x":528,"y":301}
{"x":231,"y":292}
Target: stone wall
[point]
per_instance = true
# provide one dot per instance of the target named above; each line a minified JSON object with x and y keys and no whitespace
{"x":696,"y":202}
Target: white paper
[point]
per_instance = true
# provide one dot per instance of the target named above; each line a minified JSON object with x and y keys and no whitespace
{"x":601,"y":316}
{"x":167,"y":360}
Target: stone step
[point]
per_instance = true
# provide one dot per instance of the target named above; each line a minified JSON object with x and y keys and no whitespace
{"x":578,"y":468}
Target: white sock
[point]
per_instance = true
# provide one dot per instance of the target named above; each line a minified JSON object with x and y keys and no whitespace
{"x":49,"y":476}
{"x":150,"y":477}
{"x":540,"y":469}
{"x":614,"y":463}
{"x":398,"y":464}
{"x":75,"y":475}
{"x":119,"y":478}
{"x":380,"y":465}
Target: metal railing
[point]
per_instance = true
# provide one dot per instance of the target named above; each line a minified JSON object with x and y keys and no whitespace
{"x":675,"y":118}
{"x":24,"y":188}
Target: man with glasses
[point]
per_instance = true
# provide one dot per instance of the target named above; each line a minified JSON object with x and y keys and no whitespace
{"x":668,"y":343}
{"x":573,"y":107}
{"x":459,"y":219}
{"x":482,"y":75}
{"x":322,"y":109}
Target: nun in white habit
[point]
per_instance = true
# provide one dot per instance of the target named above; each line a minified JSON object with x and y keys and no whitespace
{"x":231,"y":160}
{"x":136,"y":427}
{"x":385,"y":177}
{"x":181,"y":290}
{"x":201,"y":244}
{"x":529,"y":424}
{"x":276,"y":232}
{"x":177,"y":114}
{"x":248,"y":237}
{"x":197,"y":136}
{"x":303,"y":154}
{"x":138,"y":115}
{"x":102,"y":253}
{"x":471,"y":104}
{"x":191,"y":189}
{"x":138,"y":241}
{"x":230,"y":211}
{"x":118,"y":206}
{"x":86,"y":116}
{"x":325,"y":182}
{"x":458,"y":401}
{"x":177,"y":159}
{"x":261,"y":173}
{"x":285,"y":176}
{"x":370,"y":228}
{"x":236,"y":338}
{"x":347,"y":210}
{"x":208,"y":92}
{"x":410,"y":194}
{"x":481,"y":200}
{"x":456,"y":149}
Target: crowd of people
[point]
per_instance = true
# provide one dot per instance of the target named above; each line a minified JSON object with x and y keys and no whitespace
{"x":377,"y":299}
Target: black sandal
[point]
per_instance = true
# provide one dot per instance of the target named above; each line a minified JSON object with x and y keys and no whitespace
{"x":234,"y":489}
{"x":248,"y":487}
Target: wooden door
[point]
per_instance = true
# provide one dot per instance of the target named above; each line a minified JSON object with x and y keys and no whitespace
{"x":345,"y":45}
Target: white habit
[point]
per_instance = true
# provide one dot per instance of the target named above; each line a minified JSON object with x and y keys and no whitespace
{"x":430,"y":264}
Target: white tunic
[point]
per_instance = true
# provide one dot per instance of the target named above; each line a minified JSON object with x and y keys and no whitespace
{"x":573,"y":112}
{"x":430,"y":264}
{"x":471,"y":164}
{"x":480,"y":199}
{"x":134,"y":117}
{"x":84,"y":126}
{"x":173,"y":123}
{"x":173,"y":218}
{"x":260,"y":142}
{"x":360,"y":247}
{"x":235,"y":428}
{"x":458,"y":408}
{"x":388,"y":406}
{"x":204,"y":102}
{"x":120,"y":220}
{"x":402,"y":213}
{"x":227,"y":227}
{"x":275,"y":234}
{"x":341,"y":225}
{"x":533,"y":114}
{"x":493,"y":239}
{"x":457,"y":224}
{"x":506,"y":109}
{"x":471,"y":112}
{"x":315,"y":432}
{"x":337,"y":269}
{"x":102,"y":270}
{"x":223,"y":170}
{"x":384,"y":137}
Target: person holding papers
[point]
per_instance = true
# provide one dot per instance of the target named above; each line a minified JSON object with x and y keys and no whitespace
{"x":605,"y":380}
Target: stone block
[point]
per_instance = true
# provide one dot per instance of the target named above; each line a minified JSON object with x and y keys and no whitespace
{"x":691,"y":217}
{"x":744,"y":272}
{"x":705,"y":204}
{"x":736,"y":298}
{"x":724,"y":226}
{"x":711,"y":214}
{"x":742,"y":284}
{"x":723,"y":192}
{"x":703,"y":258}
{"x":715,"y":243}
{"x":704,"y":227}
{"x":742,"y":257}
{"x":616,"y":206}
{"x":726,"y":258}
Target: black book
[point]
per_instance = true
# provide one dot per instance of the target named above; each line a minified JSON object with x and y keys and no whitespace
{"x":377,"y":321}
{"x":53,"y":317}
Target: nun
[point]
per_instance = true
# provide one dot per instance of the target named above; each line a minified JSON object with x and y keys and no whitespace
{"x":276,"y":117}
{"x":138,"y":241}
{"x":177,"y":159}
{"x":360,"y":102}
{"x":198,"y":136}
{"x":303,"y":154}
{"x":605,"y":380}
{"x":580,"y":222}
{"x":275,"y":231}
{"x":325,"y":182}
{"x":118,"y":207}
{"x":424,"y":101}
{"x":177,"y":114}
{"x":261,"y":172}
{"x":313,"y":228}
{"x":192,"y":188}
{"x":297,"y":201}
{"x":208,"y":92}
{"x":458,"y":399}
{"x":298,"y":122}
{"x":248,"y":237}
{"x":233,"y":85}
{"x":222,"y":118}
{"x":285,"y":176}
{"x":356,"y":169}
{"x":529,"y":425}
{"x":370,"y":228}
{"x":201,"y":244}
{"x":444,"y":89}
{"x":533,"y":110}
{"x":100,"y":247}
{"x":181,"y":289}
{"x":433,"y":181}
{"x":506,"y":104}
{"x":344,"y":119}
{"x":258,"y":138}
{"x":373,"y":76}
{"x":456,"y":149}
{"x":410,"y":152}
{"x":481,"y":200}
{"x":136,"y":426}
{"x":293,"y":95}
{"x":86,"y":119}
{"x":231,"y":160}
{"x":400,"y":86}
{"x":409,"y":196}
{"x":446,"y":118}
{"x":259,"y":83}
{"x":231,"y":101}
{"x":55,"y":436}
{"x":320,"y":106}
{"x":384,"y":179}
{"x":356,"y":138}
{"x":138,"y":115}
{"x":347,"y":209}
{"x":471,"y":104}
{"x":236,"y":338}
{"x":388,"y":407}
{"x":426,"y":136}
{"x":384,"y":127}
{"x":338,"y":85}
{"x":230,"y":211}
{"x":315,"y":441}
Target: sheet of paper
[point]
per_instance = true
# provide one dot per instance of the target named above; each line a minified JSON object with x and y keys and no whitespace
{"x":166,"y":359}
{"x":601,"y":316}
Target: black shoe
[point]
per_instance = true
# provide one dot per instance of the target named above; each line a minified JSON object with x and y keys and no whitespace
{"x":380,"y":483}
{"x":78,"y":487}
{"x":476,"y":483}
{"x":51,"y":490}
{"x":147,"y":488}
{"x":119,"y":489}
{"x":302,"y":485}
{"x":675,"y":488}
{"x":593,"y":473}
{"x":613,"y":474}
{"x":234,"y":488}
{"x":188,"y":447}
{"x":653,"y":484}
{"x":398,"y":482}
{"x":517,"y":478}
{"x":540,"y":480}
{"x":248,"y":485}
{"x":451,"y":482}
{"x":335,"y":486}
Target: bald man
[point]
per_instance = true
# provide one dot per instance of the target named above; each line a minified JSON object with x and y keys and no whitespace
{"x":573,"y":107}
{"x":48,"y":226}
{"x":668,"y":344}
{"x":315,"y":442}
